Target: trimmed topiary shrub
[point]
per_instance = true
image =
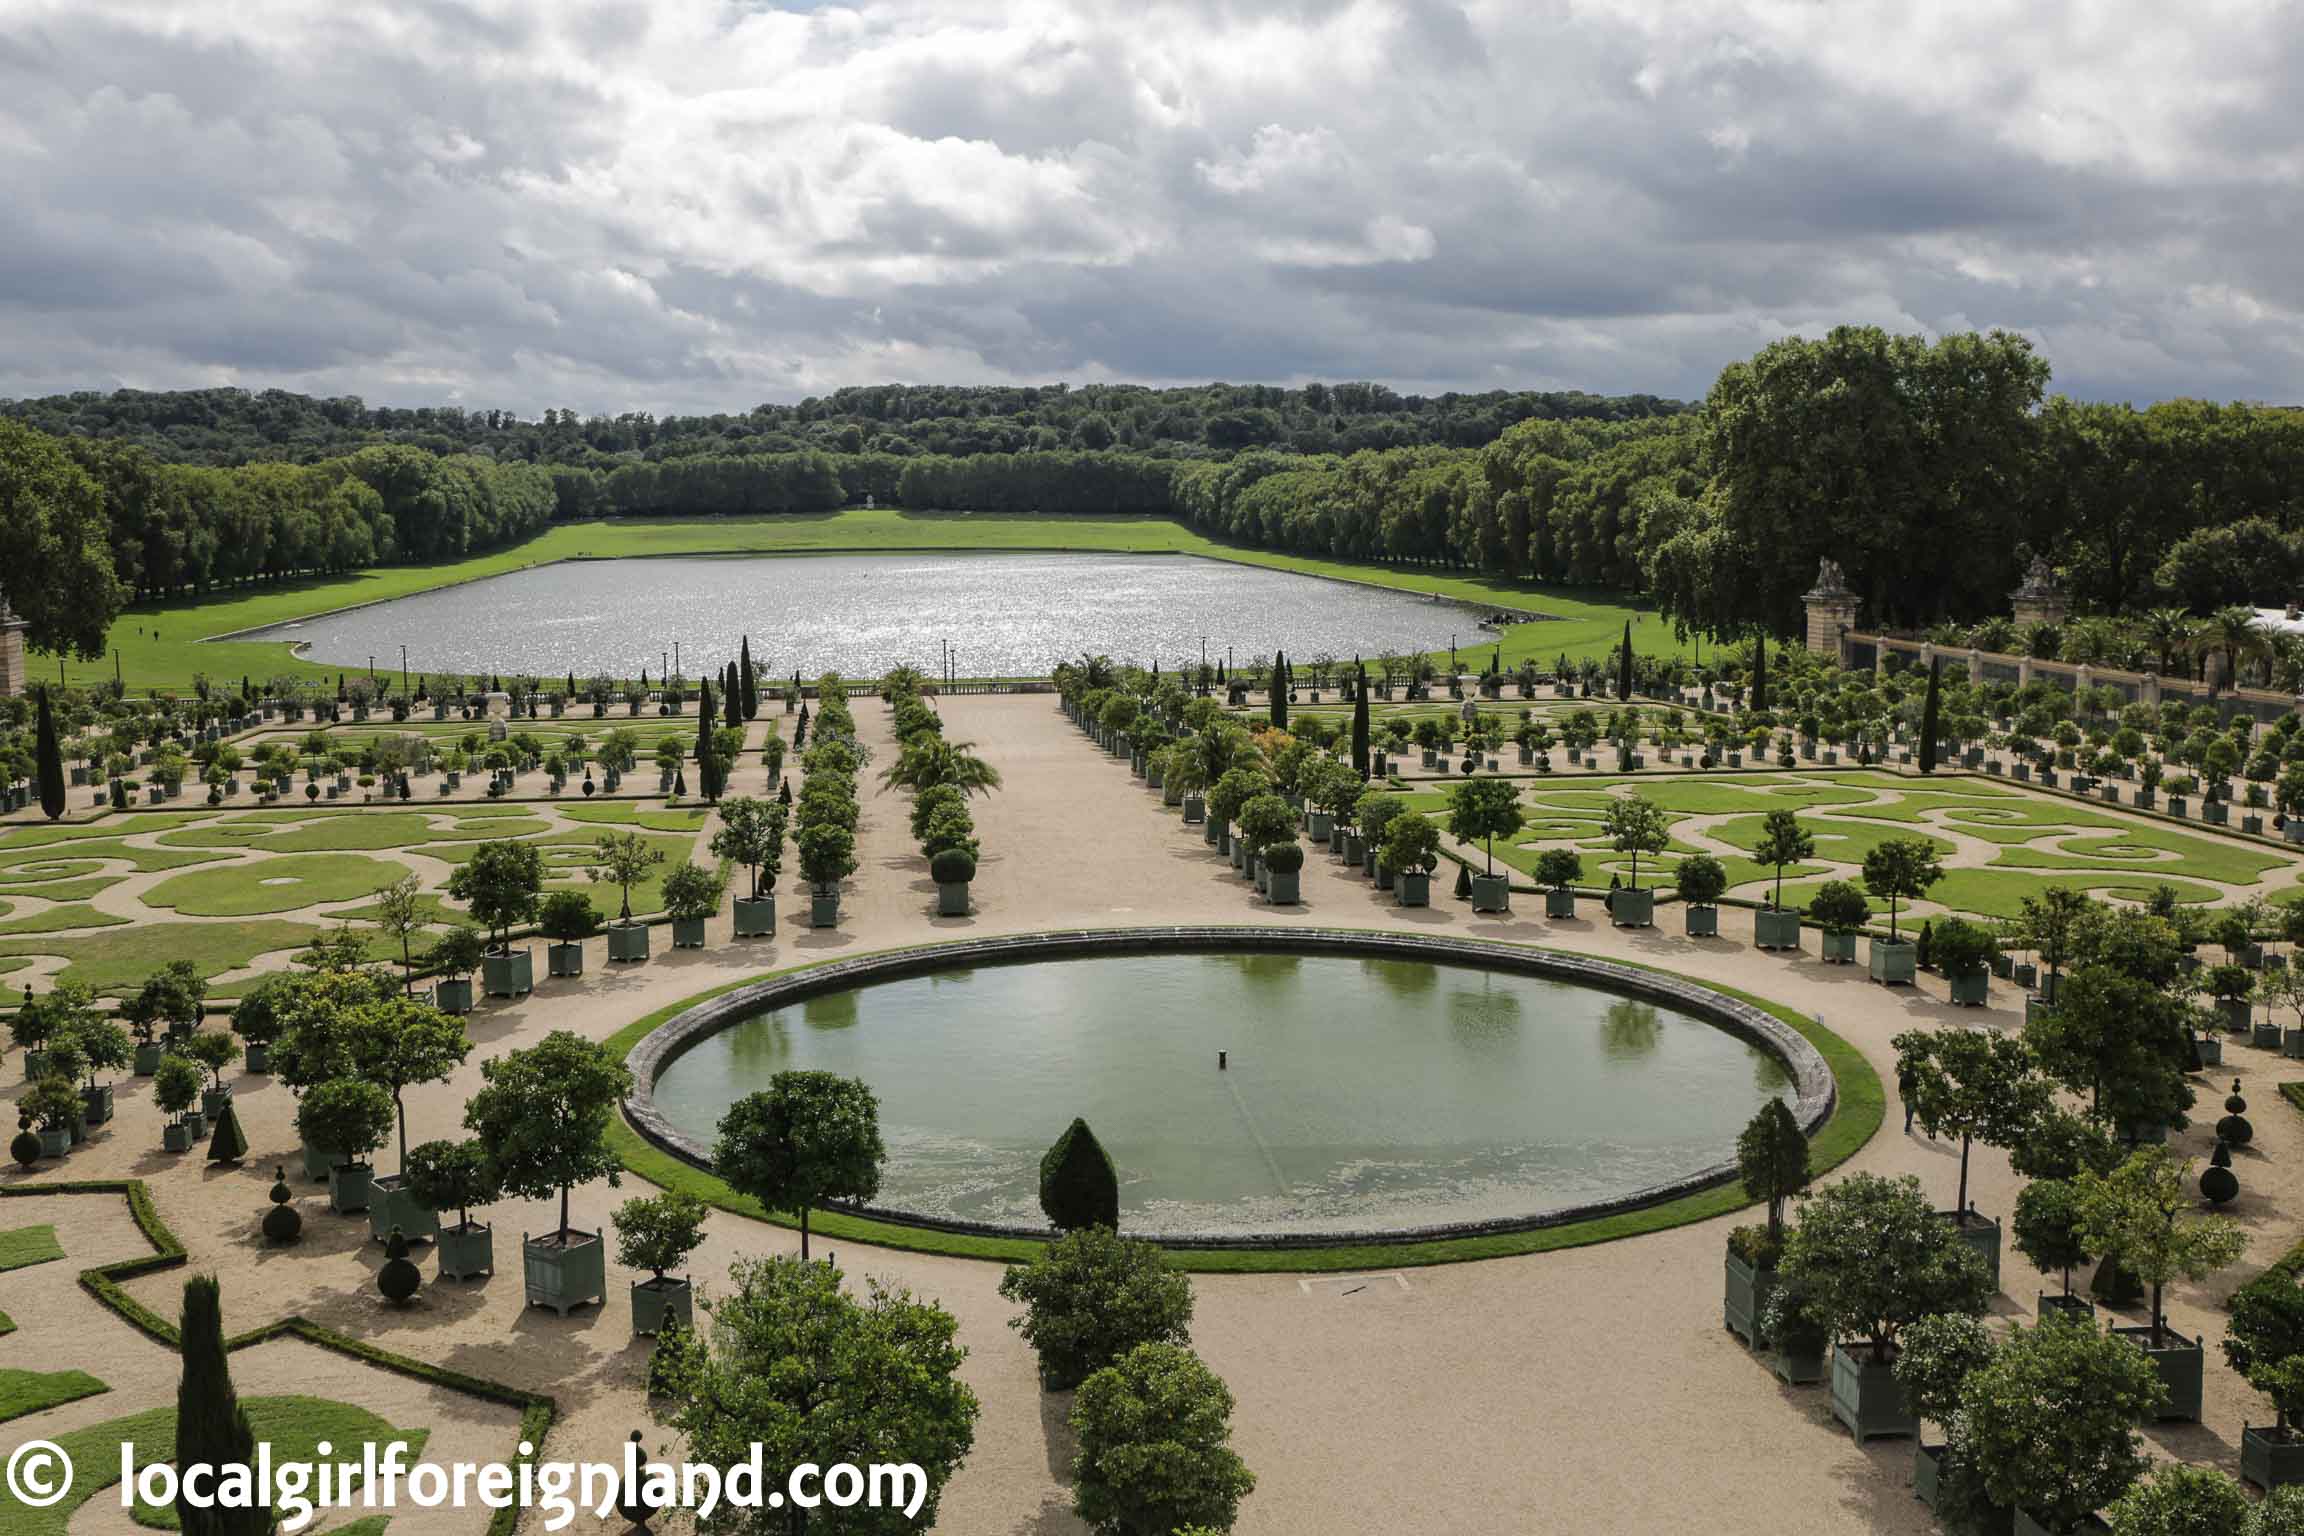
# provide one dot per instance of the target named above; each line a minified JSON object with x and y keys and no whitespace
{"x":1079,"y":1187}
{"x":954,"y":866}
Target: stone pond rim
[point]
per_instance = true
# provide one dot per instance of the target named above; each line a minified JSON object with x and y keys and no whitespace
{"x":1815,"y":1097}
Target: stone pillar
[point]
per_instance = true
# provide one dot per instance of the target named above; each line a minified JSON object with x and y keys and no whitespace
{"x":2023,"y":671}
{"x":1975,"y":666}
{"x":14,"y":679}
{"x":1831,"y":612}
{"x":2149,"y":693}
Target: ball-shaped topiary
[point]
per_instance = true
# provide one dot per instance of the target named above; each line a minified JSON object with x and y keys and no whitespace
{"x":1283,"y":858}
{"x":2218,"y":1185}
{"x":26,"y":1147}
{"x":398,"y":1279}
{"x":953,"y":866}
{"x":283,"y":1223}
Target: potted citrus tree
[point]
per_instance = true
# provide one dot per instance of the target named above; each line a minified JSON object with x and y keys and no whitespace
{"x":2142,"y":1216}
{"x":1558,"y":870}
{"x":2264,"y":1342}
{"x":1869,"y":1257}
{"x":175,"y":1088}
{"x":1282,"y":861}
{"x":827,"y":857}
{"x":655,"y":1233}
{"x":1964,"y":952}
{"x":624,"y":860}
{"x":1934,"y":1360}
{"x":212,"y":1051}
{"x":752,"y":834}
{"x":691,"y":895}
{"x":2046,"y":1229}
{"x":1264,"y":820}
{"x":1372,"y":813}
{"x":1411,"y":852}
{"x":1897,"y":870}
{"x":52,"y":1106}
{"x":952,"y":869}
{"x":1772,"y":1163}
{"x":543,"y":1114}
{"x":1783,"y":841}
{"x":348,"y":1118}
{"x":1700,"y":879}
{"x":455,"y":1176}
{"x":499,"y":886}
{"x":1841,"y":910}
{"x":1481,"y":811}
{"x":1634,"y":826}
{"x":567,"y":920}
{"x":1977,"y":1087}
{"x":2050,"y":1423}
{"x":456,"y":955}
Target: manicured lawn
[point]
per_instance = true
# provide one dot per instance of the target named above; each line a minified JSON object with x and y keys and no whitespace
{"x":620,"y":813}
{"x":23,"y":1392}
{"x":2197,"y":857}
{"x":102,"y":826}
{"x":62,"y":888}
{"x":118,"y":960}
{"x":59,"y":919}
{"x":29,"y":1245}
{"x":2000,"y":893}
{"x":293,"y":1426}
{"x":367,"y":830}
{"x":1846,"y":842}
{"x":144,"y":860}
{"x":257,"y":886}
{"x":155,"y":640}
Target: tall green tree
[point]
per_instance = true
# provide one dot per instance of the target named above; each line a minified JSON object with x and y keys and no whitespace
{"x":1931,"y":715}
{"x":1155,"y":1433}
{"x":1079,"y":1187}
{"x":1760,"y":670}
{"x":1624,"y":666}
{"x":748,"y":679}
{"x":1975,"y":1086}
{"x":55,"y":546}
{"x":48,"y":760}
{"x":543,"y":1113}
{"x":1279,"y":695}
{"x":1360,"y":720}
{"x":807,"y":1138}
{"x":212,"y":1427}
{"x":1783,"y":841}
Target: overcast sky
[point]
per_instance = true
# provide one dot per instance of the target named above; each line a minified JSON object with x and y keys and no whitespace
{"x":685,"y":205}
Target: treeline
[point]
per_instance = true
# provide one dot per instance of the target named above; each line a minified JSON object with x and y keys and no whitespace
{"x":236,"y":426}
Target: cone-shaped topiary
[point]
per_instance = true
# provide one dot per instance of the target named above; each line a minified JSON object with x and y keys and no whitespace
{"x":1463,"y":882}
{"x":283,"y":1223}
{"x":2222,"y":1156}
{"x":211,"y":1426}
{"x":230,"y":1143}
{"x":1079,"y":1187}
{"x":398,"y":1278}
{"x":2234,"y":1127}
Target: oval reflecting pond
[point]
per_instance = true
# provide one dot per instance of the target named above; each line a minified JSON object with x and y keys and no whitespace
{"x":1007,"y":615}
{"x":1361,"y":1094}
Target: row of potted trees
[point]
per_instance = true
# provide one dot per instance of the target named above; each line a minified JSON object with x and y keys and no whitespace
{"x":940,"y":775}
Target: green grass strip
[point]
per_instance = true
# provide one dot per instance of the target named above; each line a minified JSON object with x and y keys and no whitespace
{"x":28,"y":1392}
{"x":29,"y":1245}
{"x":1856,"y":1114}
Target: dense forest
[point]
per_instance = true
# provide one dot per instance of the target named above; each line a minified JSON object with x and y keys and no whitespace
{"x":1933,"y":471}
{"x":235,"y":426}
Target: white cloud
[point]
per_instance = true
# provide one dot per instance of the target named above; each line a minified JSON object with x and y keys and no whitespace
{"x":688,"y":204}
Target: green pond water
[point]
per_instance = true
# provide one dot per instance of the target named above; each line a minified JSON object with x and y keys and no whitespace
{"x":1360,"y":1095}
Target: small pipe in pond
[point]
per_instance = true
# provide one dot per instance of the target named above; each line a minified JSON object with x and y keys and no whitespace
{"x":1222,"y":1058}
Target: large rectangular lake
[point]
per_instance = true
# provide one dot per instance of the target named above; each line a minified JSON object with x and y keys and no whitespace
{"x":1006,"y":615}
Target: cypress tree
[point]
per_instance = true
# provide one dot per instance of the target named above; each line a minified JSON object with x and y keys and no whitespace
{"x":1624,"y":673}
{"x":733,"y":696}
{"x":749,"y":679}
{"x":1928,"y":715}
{"x":1760,"y":670}
{"x":49,"y":760}
{"x":1079,"y":1187}
{"x":211,"y":1426}
{"x":707,"y":762}
{"x":571,"y":683}
{"x":1279,"y":690}
{"x":1360,"y":721}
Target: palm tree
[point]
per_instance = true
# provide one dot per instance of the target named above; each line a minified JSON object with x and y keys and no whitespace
{"x":930,"y":760}
{"x":2232,"y":630}
{"x":2171,"y":632}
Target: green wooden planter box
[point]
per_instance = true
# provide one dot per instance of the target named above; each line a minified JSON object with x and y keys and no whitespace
{"x":2077,"y":1308}
{"x":1894,"y":964}
{"x":1280,"y":887}
{"x":1981,"y":1233}
{"x":453,"y":995}
{"x":564,"y":959}
{"x":951,"y":898}
{"x":317,"y":1162}
{"x":213,"y":1100}
{"x":2024,"y":973}
{"x":1415,"y":890}
{"x":1971,"y":990}
{"x":194,"y":1121}
{"x":2271,"y":1458}
{"x":2211,"y":1050}
{"x":1195,"y":810}
{"x":1866,"y":1396}
{"x":1368,"y":866}
{"x":466,"y":1251}
{"x":2181,"y":1367}
{"x":1927,"y":1472}
{"x":628,"y":941}
{"x":389,"y":1206}
{"x":564,"y":1269}
{"x":1559,"y":903}
{"x":96,"y":1104}
{"x":510,"y":974}
{"x":823,"y":910}
{"x":1799,"y":1362}
{"x":35,"y":1062}
{"x":1746,"y":1297}
{"x":688,"y":933}
{"x":351,"y":1188}
{"x":58,"y":1142}
{"x":755,"y":916}
{"x":1491,"y":893}
{"x":175,"y":1136}
{"x":1839,"y":948}
{"x":657,"y":1302}
{"x":1776,"y":928}
{"x":1355,"y":849}
{"x":258,"y":1060}
{"x":1318,"y":825}
{"x":1702,"y":922}
{"x":2292,"y":1042}
{"x":1628,"y":908}
{"x":148,"y":1059}
{"x":2266,"y":1035}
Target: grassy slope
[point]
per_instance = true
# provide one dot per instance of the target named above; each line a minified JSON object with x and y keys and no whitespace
{"x":153,"y":639}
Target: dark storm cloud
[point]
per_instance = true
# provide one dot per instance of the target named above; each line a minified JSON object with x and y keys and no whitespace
{"x":693,"y":205}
